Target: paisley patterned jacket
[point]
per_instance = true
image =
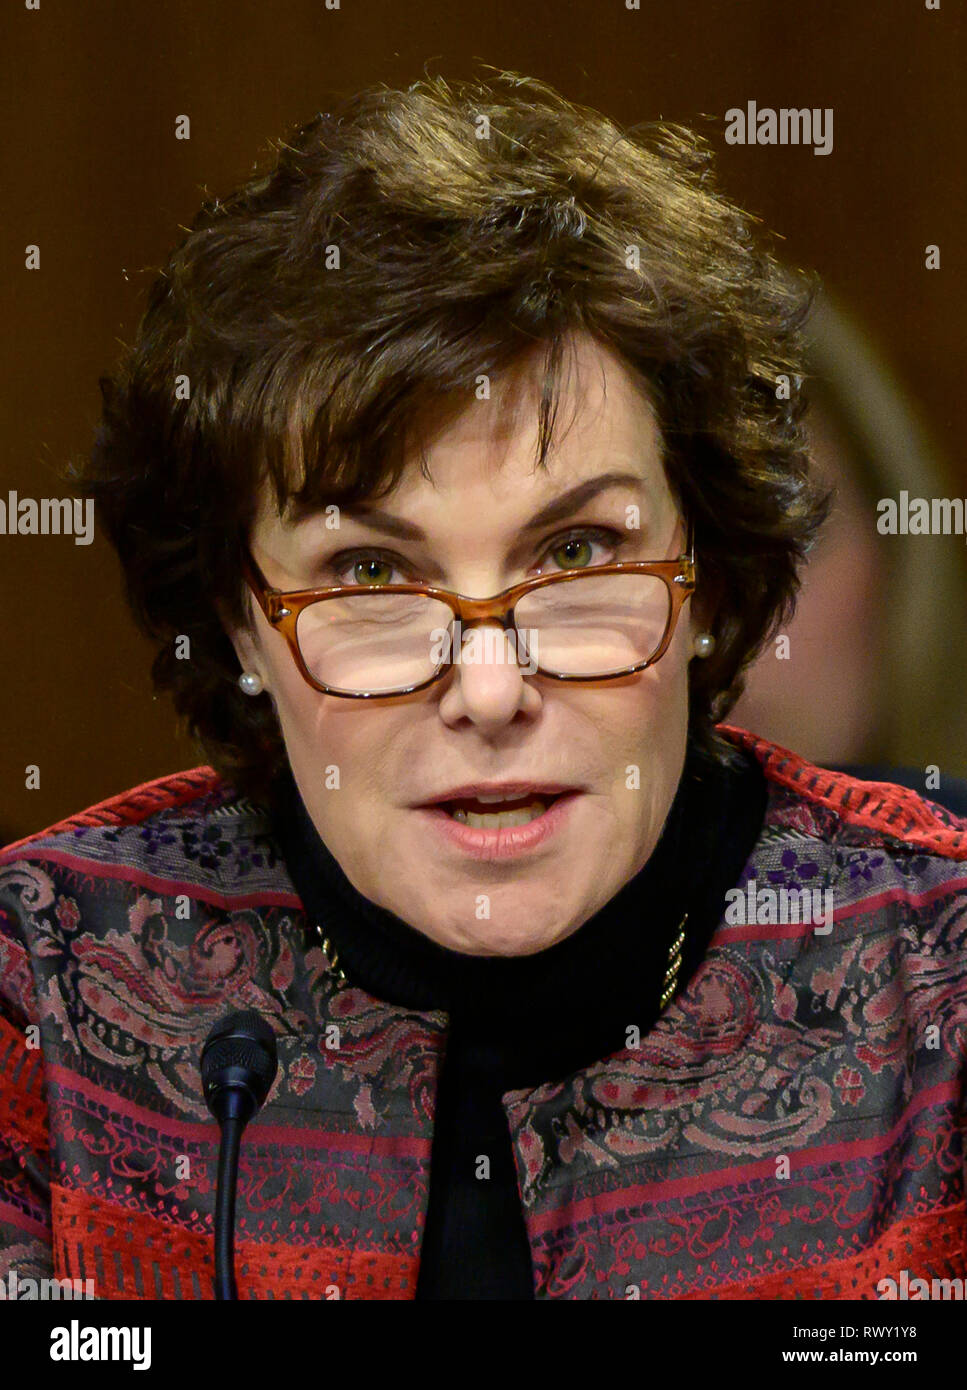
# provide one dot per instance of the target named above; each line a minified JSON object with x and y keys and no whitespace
{"x":793,"y":1125}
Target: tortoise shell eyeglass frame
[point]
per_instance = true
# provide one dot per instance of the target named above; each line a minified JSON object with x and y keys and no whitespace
{"x":282,"y":610}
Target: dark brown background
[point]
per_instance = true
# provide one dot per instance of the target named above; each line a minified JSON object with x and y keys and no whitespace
{"x":92,"y":172}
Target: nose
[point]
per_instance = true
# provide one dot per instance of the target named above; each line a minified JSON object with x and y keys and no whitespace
{"x":486,"y":682}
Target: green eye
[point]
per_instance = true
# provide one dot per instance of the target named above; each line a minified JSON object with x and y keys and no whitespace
{"x":371,"y":565}
{"x":570,"y":544}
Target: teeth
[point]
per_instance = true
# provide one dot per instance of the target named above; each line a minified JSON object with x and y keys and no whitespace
{"x":502,"y":819}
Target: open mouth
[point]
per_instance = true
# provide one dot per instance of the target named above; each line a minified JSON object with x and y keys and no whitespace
{"x":487,"y":816}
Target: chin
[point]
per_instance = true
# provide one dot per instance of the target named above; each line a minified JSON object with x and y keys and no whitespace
{"x":516,"y":944}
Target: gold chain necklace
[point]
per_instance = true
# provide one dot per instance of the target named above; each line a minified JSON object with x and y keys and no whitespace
{"x":670,"y":981}
{"x":331,"y":955}
{"x":668,"y":984}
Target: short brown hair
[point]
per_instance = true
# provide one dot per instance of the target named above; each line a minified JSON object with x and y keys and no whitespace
{"x":471,"y":222}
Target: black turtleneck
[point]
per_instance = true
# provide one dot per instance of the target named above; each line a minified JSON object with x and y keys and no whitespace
{"x":519,"y":1021}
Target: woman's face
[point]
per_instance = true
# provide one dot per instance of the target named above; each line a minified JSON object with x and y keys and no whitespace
{"x":620,"y":743}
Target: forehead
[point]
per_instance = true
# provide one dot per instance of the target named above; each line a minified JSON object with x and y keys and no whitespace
{"x":481,"y":457}
{"x":603,"y":412}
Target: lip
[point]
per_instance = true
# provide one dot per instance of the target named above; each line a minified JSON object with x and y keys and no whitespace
{"x":510,"y":790}
{"x":507,"y":843}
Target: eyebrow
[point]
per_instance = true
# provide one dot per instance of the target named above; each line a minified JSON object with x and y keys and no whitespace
{"x":558,"y":510}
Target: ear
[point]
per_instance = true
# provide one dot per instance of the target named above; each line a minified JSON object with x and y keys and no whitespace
{"x":246,"y":644}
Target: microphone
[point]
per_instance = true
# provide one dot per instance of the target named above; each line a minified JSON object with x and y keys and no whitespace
{"x":238,"y":1065}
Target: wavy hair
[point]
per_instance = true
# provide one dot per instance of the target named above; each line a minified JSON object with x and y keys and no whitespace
{"x":397,"y":248}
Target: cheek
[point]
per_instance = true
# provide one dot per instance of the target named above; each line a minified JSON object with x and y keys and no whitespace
{"x":660,"y":723}
{"x":674,"y":665}
{"x":303,"y":713}
{"x":667,"y":690}
{"x":322,"y":732}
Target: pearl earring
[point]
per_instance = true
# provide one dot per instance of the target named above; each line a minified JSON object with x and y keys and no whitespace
{"x":251,"y":683}
{"x":704,"y":644}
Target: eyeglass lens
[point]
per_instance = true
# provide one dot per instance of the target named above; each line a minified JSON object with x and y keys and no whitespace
{"x":375,"y":643}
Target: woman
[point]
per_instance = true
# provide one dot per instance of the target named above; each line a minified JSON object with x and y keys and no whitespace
{"x":686,"y":1018}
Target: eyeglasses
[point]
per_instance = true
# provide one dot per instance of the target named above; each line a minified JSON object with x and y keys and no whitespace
{"x":360,"y":642}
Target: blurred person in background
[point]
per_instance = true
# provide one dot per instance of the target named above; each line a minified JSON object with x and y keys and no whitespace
{"x":872,"y":679}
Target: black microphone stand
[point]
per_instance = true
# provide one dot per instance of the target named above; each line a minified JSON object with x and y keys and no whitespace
{"x":238,"y":1065}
